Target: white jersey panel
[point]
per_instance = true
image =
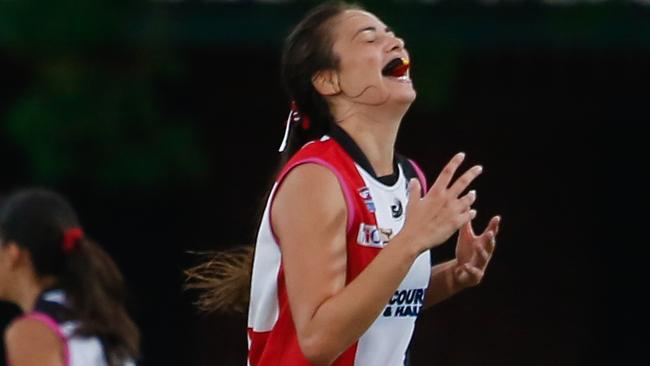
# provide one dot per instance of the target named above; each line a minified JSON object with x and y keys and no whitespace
{"x":398,"y":317}
{"x":82,"y":351}
{"x":264,"y":308}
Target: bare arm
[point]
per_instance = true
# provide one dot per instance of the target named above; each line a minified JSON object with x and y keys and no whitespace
{"x":30,"y":343}
{"x":311,"y":227}
{"x":309,"y":216}
{"x":473,"y":254}
{"x":442,"y":284}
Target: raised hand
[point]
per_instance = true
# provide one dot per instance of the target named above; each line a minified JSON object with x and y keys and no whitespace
{"x":432,"y":219}
{"x":473,"y":252}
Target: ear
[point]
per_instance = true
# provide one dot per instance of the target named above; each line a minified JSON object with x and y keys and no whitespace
{"x":12,"y":253}
{"x":326,"y":82}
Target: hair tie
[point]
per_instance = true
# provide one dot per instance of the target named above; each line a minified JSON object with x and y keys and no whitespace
{"x":294,"y":117}
{"x":300,"y":117}
{"x":70,"y":239}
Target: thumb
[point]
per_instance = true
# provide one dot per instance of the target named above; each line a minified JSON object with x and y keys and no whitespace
{"x":414,"y":188}
{"x":461,"y":275}
{"x":413,"y":193}
{"x":467,"y":230}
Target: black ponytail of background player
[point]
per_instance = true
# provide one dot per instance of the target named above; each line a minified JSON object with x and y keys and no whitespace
{"x":40,"y":221}
{"x":224,"y":279}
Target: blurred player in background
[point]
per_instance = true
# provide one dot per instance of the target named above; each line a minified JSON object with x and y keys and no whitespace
{"x":69,"y":289}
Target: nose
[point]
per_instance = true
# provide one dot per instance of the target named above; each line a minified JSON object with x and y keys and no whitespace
{"x":395,"y":44}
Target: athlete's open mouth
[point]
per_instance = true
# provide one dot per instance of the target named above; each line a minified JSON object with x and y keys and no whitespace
{"x":397,"y":67}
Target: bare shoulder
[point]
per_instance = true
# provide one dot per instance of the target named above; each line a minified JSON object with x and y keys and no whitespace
{"x":31,"y":342}
{"x":311,"y":186}
{"x":30,"y":329}
{"x":312,"y":175}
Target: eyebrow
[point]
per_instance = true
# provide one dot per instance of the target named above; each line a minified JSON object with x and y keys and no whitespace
{"x":374,"y":29}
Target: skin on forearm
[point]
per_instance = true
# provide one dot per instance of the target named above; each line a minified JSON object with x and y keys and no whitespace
{"x":342,"y":319}
{"x":442,"y":284}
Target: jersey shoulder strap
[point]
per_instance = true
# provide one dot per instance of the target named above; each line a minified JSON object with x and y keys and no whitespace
{"x":412,"y":170}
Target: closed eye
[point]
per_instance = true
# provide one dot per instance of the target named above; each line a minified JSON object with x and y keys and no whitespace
{"x":367,"y":31}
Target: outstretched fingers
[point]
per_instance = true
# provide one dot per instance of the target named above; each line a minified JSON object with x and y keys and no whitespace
{"x":442,"y":210}
{"x":465,"y":203}
{"x":490,"y":233}
{"x":444,"y":178}
{"x":466,"y":217}
{"x":465,"y":180}
{"x":493,"y":225}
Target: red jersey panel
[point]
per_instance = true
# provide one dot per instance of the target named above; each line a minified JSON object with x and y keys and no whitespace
{"x":376,"y":213}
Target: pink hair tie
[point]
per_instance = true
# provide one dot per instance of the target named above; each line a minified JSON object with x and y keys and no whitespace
{"x":71,"y":238}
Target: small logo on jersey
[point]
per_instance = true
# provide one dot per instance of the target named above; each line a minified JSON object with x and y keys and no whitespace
{"x":407,"y":302}
{"x":367,"y":199}
{"x":369,"y":236}
{"x":372,"y":236}
{"x":386,"y":235}
{"x":397,"y":210}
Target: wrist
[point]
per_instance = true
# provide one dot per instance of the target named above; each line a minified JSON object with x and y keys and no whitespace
{"x":455,"y":270}
{"x":409,"y":244}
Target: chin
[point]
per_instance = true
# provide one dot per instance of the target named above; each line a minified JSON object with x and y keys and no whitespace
{"x":405,"y":97}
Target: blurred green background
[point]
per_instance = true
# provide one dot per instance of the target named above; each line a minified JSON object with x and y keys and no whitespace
{"x":90,"y":76}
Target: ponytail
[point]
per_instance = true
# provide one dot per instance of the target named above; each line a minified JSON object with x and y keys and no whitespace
{"x":44,"y":224}
{"x":223,"y":280}
{"x":95,"y":290}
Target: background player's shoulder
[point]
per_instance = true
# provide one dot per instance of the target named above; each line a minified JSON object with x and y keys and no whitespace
{"x":29,"y":335}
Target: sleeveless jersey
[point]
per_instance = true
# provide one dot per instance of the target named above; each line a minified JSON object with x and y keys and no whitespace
{"x":50,"y":309}
{"x":375,"y":215}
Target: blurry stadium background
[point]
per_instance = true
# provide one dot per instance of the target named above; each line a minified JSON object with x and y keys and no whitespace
{"x":160,"y":120}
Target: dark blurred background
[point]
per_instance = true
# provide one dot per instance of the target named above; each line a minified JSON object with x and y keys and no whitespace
{"x":160,"y":120}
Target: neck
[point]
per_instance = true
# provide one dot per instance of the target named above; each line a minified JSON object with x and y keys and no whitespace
{"x":374,"y":129}
{"x":28,"y":289}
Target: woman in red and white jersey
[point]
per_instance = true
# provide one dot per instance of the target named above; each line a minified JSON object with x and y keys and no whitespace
{"x":342,"y":266}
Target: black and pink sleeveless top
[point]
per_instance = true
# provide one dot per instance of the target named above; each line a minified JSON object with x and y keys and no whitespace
{"x":51,"y":310}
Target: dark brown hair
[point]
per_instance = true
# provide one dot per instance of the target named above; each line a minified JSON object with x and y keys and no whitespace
{"x":37,"y":220}
{"x":225,"y":277}
{"x":309,"y":49}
